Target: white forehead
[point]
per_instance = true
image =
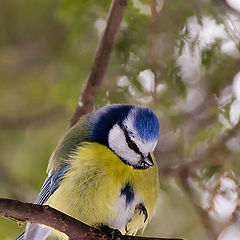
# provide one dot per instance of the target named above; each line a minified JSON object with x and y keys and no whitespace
{"x":145,"y":146}
{"x":130,"y":120}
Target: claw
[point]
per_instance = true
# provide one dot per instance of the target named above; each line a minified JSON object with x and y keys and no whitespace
{"x":143,"y":210}
{"x":115,"y":234}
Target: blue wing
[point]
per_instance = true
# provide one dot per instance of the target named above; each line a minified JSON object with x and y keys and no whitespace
{"x":21,"y":237}
{"x":67,"y":145}
{"x":49,"y":186}
{"x":45,"y":191}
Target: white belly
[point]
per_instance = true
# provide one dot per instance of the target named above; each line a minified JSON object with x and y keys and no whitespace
{"x":124,"y":212}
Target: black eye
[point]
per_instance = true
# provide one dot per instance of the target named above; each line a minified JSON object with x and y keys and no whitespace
{"x":132,"y":145}
{"x":131,"y":134}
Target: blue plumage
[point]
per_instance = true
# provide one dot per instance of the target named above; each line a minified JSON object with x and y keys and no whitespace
{"x":49,"y":186}
{"x":57,"y":177}
{"x":131,"y":132}
{"x":104,"y":119}
{"x":146,"y":124}
{"x":45,"y":191}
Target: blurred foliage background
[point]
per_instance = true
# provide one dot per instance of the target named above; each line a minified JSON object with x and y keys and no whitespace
{"x":181,"y":58}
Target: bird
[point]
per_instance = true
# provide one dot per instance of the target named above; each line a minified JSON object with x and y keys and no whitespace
{"x":103,"y":173}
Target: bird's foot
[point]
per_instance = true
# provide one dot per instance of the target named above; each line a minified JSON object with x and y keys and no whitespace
{"x":143,"y":210}
{"x":115,"y":234}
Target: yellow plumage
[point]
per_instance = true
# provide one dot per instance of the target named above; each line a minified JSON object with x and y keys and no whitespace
{"x":90,"y":190}
{"x":103,"y":172}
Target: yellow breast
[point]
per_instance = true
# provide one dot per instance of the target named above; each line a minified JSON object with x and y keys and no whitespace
{"x":91,"y":189}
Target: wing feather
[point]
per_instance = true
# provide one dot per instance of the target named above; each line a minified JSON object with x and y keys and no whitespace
{"x":49,"y":186}
{"x":58,"y":166}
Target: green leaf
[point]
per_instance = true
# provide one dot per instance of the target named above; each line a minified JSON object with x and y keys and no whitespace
{"x":211,"y":170}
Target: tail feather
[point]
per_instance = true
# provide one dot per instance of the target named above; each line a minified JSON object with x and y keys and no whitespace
{"x":34,"y":232}
{"x":21,"y":237}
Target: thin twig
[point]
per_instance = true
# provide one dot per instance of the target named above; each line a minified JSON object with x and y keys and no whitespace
{"x":235,"y":218}
{"x":51,"y":217}
{"x":185,"y":172}
{"x":201,"y":158}
{"x":101,"y":60}
{"x":204,"y":216}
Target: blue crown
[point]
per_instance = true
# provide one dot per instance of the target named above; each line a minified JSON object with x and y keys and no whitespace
{"x":146,"y":124}
{"x":101,"y":122}
{"x":104,"y":119}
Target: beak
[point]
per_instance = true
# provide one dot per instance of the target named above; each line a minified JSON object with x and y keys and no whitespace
{"x":149,"y":161}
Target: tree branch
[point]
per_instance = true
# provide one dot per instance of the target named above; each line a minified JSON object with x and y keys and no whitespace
{"x":85,"y":103}
{"x":184,"y":171}
{"x":51,"y":217}
{"x":204,"y":216}
{"x":199,"y":159}
{"x":46,"y":215}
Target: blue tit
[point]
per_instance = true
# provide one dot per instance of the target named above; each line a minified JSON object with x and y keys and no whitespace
{"x":103,"y":172}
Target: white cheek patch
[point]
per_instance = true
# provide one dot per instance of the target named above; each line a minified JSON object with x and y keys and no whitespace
{"x":117,"y":142}
{"x":128,"y":123}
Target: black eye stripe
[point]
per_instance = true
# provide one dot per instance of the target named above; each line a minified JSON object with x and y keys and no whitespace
{"x":130,"y":143}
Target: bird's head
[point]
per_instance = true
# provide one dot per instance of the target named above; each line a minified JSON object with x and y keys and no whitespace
{"x":129,"y":131}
